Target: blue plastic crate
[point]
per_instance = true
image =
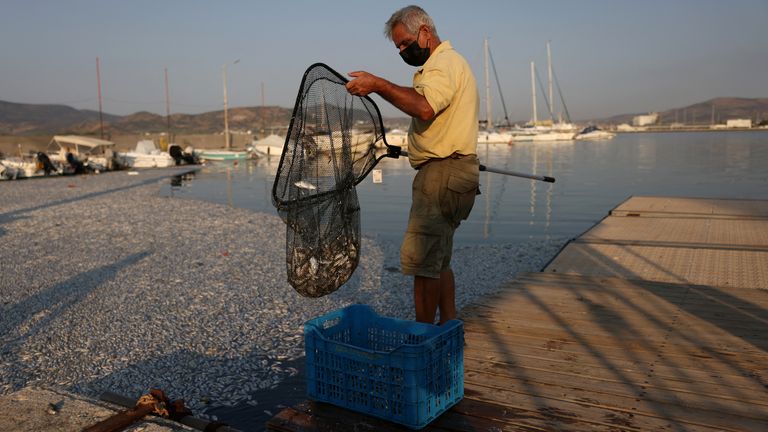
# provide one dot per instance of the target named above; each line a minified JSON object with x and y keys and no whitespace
{"x":402,"y":371}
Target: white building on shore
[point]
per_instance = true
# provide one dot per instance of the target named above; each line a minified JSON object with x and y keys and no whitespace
{"x":645,"y":120}
{"x":738,"y":123}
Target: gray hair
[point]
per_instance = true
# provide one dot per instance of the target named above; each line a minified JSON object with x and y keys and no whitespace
{"x":412,"y":17}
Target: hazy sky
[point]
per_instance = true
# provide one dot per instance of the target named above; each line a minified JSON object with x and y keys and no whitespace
{"x":611,"y":57}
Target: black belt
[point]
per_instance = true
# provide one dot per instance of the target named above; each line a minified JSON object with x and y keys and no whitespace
{"x":452,"y":156}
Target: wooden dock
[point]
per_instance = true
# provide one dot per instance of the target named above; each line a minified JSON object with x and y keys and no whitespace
{"x":653,"y":320}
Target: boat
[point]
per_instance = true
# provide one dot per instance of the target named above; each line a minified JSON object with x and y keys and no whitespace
{"x":396,"y":137}
{"x":494,"y":137}
{"x":546,"y":130}
{"x":489,"y":134}
{"x":77,"y":153}
{"x":145,"y":155}
{"x":221,"y":155}
{"x":271,"y":146}
{"x":553,"y":136}
{"x":594,"y":133}
{"x":16,"y":168}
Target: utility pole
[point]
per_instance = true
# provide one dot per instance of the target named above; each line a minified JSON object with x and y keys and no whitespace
{"x":262,"y":94}
{"x":98,"y":84}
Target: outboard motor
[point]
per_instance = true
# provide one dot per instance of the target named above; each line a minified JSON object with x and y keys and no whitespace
{"x":45,"y":162}
{"x":189,"y":156}
{"x":176,"y":154}
{"x":77,"y":166}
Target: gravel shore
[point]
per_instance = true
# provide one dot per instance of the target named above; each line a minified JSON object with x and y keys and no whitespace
{"x":105,"y":285}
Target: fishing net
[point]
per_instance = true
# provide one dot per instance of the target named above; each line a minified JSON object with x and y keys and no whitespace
{"x":334,"y":140}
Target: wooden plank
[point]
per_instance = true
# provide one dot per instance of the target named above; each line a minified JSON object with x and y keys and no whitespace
{"x":693,"y":354}
{"x":612,"y":369}
{"x":504,"y":391}
{"x":696,"y":315}
{"x":683,"y":335}
{"x":683,"y":206}
{"x":691,"y":394}
{"x":731,"y":268}
{"x":681,"y":232}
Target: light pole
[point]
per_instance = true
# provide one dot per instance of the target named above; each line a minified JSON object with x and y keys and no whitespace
{"x":226,"y":118}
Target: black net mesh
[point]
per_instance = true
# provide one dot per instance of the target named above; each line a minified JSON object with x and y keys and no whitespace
{"x":333,"y":141}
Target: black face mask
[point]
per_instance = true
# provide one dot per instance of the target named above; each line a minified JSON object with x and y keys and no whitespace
{"x":415,"y":55}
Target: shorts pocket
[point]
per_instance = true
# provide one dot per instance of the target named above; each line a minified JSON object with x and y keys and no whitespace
{"x":459,"y":198}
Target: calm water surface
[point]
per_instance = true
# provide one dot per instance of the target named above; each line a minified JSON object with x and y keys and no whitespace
{"x":592,"y":178}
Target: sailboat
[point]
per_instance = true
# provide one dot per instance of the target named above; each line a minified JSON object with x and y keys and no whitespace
{"x":489,"y":134}
{"x":546,"y":130}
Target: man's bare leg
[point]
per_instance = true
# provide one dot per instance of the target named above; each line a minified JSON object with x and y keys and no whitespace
{"x":447,"y":302}
{"x":426,"y":297}
{"x":430,"y":294}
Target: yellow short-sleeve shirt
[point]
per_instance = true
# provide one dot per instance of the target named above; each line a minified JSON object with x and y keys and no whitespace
{"x":448,"y":84}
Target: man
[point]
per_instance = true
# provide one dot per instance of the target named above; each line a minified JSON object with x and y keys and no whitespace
{"x":442,"y":146}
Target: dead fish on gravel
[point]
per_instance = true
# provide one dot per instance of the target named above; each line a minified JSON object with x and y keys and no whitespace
{"x":54,"y":408}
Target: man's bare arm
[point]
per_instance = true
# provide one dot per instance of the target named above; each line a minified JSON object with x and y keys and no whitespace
{"x":406,"y":99}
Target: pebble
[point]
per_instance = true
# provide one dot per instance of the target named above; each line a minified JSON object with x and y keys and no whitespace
{"x":108,"y":286}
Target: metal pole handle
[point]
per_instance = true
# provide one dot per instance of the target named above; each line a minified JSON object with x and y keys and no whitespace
{"x":518,"y":174}
{"x":399,"y":152}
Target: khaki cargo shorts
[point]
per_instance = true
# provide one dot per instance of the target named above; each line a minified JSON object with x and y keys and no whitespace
{"x":444,"y":192}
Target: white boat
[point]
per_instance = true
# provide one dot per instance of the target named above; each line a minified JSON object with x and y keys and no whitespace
{"x":553,"y":136}
{"x":594,"y":133}
{"x":396,"y":137}
{"x":145,"y":155}
{"x":16,"y":168}
{"x":489,"y":134}
{"x":271,"y":146}
{"x":220,"y":155}
{"x":93,"y":153}
{"x":489,"y":137}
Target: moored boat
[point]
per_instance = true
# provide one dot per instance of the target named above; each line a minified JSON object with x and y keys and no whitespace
{"x":145,"y":155}
{"x":594,"y":133}
{"x":271,"y":146}
{"x":221,"y":155}
{"x":79,"y":153}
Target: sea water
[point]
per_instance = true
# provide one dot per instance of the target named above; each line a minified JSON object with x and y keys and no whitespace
{"x":592,"y":178}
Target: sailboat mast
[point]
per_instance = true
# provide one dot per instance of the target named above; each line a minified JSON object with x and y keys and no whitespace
{"x":167,"y":107}
{"x":226,"y":119}
{"x":98,"y":84}
{"x":533,"y":92}
{"x":549,"y":68}
{"x":488,"y":112}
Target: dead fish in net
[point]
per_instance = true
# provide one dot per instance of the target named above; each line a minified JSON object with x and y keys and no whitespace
{"x":305,"y":185}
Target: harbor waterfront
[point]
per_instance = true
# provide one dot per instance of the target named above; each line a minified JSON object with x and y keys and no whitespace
{"x":111,"y":283}
{"x":592,"y":176}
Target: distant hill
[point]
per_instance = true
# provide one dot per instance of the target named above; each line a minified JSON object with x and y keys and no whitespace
{"x":25,"y":119}
{"x":31,"y":119}
{"x":701,"y":113}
